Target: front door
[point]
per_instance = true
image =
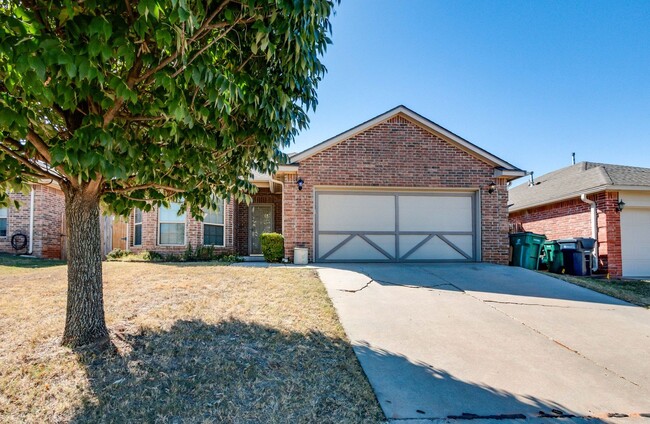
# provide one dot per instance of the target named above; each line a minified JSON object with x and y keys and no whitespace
{"x":261,"y":221}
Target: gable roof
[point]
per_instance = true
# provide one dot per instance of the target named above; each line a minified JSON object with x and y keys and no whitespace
{"x":574,"y":180}
{"x":506,"y":168}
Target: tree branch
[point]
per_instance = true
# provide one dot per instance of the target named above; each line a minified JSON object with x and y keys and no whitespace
{"x":40,"y":146}
{"x":145,"y":186}
{"x":40,"y":171}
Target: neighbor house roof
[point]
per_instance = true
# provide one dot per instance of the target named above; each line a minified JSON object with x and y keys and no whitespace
{"x":504,"y":168}
{"x":574,"y":180}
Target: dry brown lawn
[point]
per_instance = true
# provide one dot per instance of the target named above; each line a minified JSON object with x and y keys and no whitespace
{"x":633,"y":291}
{"x":194,"y":343}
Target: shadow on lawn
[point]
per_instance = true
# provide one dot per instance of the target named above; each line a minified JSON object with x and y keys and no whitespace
{"x":230,"y":372}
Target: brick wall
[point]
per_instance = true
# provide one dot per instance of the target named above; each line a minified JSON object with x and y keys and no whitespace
{"x":193,"y":232}
{"x":572,"y":218}
{"x":263,"y":196}
{"x":49,"y":207}
{"x":396,"y":153}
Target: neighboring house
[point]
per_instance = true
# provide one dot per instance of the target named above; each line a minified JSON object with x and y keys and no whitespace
{"x":559,"y":204}
{"x":40,"y":218}
{"x":396,"y":188}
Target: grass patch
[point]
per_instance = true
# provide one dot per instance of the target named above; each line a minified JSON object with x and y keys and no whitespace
{"x":633,"y":291}
{"x":11,"y":264}
{"x":194,"y":343}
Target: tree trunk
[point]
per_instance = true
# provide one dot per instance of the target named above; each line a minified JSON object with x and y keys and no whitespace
{"x":84,"y":322}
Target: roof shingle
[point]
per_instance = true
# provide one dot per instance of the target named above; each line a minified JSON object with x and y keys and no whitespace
{"x":574,"y":180}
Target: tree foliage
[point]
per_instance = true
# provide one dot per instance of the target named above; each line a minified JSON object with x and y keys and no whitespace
{"x":155,"y":100}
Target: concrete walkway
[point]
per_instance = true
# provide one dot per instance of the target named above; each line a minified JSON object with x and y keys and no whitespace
{"x":487,"y":342}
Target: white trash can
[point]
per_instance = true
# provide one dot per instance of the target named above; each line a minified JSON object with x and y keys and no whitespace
{"x":300,"y":255}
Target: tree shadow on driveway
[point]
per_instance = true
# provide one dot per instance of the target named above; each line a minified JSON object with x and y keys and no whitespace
{"x":411,"y":390}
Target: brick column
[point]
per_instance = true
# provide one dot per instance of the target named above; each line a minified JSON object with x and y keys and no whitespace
{"x":494,"y":219}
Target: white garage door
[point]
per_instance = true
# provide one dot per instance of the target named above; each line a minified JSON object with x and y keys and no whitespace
{"x":635,"y":241}
{"x":395,"y":227}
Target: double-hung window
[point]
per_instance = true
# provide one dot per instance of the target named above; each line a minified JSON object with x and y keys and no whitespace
{"x":137,"y":227}
{"x":3,"y":222}
{"x":213,"y":225}
{"x":171,"y":225}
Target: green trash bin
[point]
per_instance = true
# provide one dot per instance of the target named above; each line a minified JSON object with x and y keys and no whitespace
{"x":553,"y":257}
{"x":525,"y":249}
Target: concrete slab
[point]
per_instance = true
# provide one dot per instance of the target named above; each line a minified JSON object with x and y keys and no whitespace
{"x":486,"y":342}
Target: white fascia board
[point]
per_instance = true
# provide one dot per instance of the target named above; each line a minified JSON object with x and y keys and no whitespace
{"x":509,"y":173}
{"x":287,"y":168}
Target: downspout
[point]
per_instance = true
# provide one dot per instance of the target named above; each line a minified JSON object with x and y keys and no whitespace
{"x":594,"y":229}
{"x":31,"y":222}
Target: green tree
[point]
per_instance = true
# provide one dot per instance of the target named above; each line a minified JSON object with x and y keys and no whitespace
{"x":136,"y":103}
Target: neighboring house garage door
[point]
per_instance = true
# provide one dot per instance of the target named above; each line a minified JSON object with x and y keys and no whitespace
{"x":395,"y":226}
{"x":635,"y":241}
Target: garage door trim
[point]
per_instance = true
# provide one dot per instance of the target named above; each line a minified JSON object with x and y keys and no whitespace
{"x":399,"y":256}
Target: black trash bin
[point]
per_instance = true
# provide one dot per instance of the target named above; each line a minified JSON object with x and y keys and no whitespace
{"x":576,"y":253}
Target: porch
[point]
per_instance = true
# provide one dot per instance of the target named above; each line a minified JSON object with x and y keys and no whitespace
{"x":263,"y":215}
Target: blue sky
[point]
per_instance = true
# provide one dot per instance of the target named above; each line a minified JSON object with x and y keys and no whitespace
{"x":529,"y":81}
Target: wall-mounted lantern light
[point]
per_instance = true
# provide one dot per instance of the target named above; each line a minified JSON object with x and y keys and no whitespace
{"x":620,"y":205}
{"x":300,"y":183}
{"x":492,"y":188}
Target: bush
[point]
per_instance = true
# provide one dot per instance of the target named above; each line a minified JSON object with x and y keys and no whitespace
{"x":116,"y":254}
{"x":272,"y":246}
{"x":151,"y":256}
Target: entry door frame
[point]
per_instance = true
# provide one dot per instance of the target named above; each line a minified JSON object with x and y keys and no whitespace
{"x":250,"y":224}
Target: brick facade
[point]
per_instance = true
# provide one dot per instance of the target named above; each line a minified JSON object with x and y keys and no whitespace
{"x":572,"y":218}
{"x":193,"y":233}
{"x":49,"y":207}
{"x":396,"y":153}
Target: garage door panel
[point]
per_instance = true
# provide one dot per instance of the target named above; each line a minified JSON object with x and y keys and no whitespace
{"x":435,"y":213}
{"x":357,"y":249}
{"x":385,"y":242}
{"x":357,"y":226}
{"x":463,"y":243}
{"x":356,"y":212}
{"x":327,"y":242}
{"x":635,"y":242}
{"x":435,"y":248}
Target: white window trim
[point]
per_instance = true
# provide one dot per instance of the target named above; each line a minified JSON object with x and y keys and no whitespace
{"x":223,"y":202}
{"x":6,"y":218}
{"x":172,"y":222}
{"x":135,"y":224}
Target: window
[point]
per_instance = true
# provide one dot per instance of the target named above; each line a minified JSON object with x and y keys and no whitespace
{"x":137,"y":228}
{"x":213,"y":226}
{"x":3,"y":222}
{"x":171,"y":226}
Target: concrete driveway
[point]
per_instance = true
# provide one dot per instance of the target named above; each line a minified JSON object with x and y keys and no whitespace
{"x":481,"y":341}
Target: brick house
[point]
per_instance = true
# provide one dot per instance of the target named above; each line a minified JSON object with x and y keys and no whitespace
{"x":396,"y":188}
{"x":584,"y":200}
{"x":40,"y":218}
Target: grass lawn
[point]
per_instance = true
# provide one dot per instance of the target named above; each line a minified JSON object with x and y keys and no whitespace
{"x":633,"y":291}
{"x":194,"y":343}
{"x":11,"y":264}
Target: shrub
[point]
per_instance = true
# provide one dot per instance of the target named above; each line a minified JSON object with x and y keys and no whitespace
{"x":117,"y":254}
{"x":272,"y":246}
{"x":151,"y":256}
